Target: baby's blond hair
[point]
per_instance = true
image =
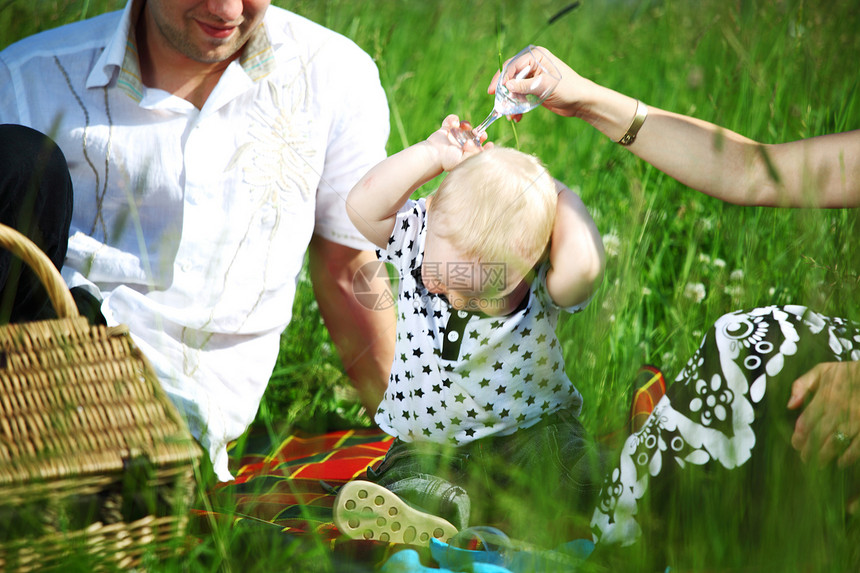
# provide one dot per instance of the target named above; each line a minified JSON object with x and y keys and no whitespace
{"x":497,"y":206}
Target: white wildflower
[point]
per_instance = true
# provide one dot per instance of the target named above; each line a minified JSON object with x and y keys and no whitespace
{"x":612,"y":244}
{"x":646,"y":291}
{"x":704,"y":258}
{"x":695,"y":292}
{"x":734,"y":290}
{"x":737,"y":275}
{"x":720,"y":263}
{"x":771,"y":291}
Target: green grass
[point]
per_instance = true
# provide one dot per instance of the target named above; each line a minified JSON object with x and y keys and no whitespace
{"x":773,"y":71}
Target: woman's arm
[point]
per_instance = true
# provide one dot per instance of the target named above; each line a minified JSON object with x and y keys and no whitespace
{"x":373,"y":203}
{"x":822,"y":171}
{"x":576,"y":252}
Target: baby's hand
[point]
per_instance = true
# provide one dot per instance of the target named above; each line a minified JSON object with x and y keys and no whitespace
{"x":450,"y":152}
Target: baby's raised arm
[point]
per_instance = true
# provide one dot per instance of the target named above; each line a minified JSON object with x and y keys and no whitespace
{"x":373,"y":203}
{"x":576,"y":252}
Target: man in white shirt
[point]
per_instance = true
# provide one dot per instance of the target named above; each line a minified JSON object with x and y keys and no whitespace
{"x":210,"y":145}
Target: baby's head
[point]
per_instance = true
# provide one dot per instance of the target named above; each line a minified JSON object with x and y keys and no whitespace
{"x":496,"y":208}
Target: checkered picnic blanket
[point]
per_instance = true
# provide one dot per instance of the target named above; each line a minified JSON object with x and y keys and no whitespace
{"x":290,"y":485}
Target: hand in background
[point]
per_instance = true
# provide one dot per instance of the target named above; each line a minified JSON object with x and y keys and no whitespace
{"x":564,"y":99}
{"x":833,"y":411}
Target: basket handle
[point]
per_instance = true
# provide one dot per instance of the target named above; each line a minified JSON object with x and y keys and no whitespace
{"x":50,"y":277}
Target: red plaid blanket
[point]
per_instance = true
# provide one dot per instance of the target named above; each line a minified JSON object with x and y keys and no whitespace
{"x":290,"y":485}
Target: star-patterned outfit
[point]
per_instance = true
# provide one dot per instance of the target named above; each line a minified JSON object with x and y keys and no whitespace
{"x":460,"y":376}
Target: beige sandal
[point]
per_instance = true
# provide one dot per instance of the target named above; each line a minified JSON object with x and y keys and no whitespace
{"x":365,"y":510}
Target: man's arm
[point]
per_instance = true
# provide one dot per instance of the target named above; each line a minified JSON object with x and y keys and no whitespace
{"x":364,"y":337}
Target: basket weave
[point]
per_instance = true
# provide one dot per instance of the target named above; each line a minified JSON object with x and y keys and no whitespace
{"x":95,"y":462}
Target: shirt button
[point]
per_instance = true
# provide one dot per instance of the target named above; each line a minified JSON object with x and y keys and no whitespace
{"x":453,"y":336}
{"x":185,"y":267}
{"x":462,"y":313}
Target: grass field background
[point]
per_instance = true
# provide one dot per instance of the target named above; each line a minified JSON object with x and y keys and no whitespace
{"x":773,"y":71}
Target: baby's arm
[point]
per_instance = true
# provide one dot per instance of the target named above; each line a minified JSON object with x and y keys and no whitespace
{"x":576,"y":252}
{"x":373,"y":203}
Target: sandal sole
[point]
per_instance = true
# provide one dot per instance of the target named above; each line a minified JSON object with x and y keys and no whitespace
{"x":365,"y":510}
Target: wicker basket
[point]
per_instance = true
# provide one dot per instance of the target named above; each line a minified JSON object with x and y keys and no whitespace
{"x":95,"y":462}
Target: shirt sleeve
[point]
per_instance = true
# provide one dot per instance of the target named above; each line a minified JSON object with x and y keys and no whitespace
{"x":8,"y":104}
{"x":357,"y":142}
{"x":404,"y":245}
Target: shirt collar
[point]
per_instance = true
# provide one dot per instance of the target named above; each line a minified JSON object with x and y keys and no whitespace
{"x":120,"y":53}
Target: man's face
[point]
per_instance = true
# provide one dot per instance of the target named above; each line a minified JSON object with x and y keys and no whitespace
{"x":207,"y":31}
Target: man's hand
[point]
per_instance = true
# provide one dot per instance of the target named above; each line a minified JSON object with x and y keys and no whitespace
{"x":829,"y":426}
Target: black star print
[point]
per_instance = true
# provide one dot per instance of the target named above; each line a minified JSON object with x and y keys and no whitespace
{"x":556,"y":388}
{"x":528,"y":377}
{"x":409,"y":336}
{"x":489,"y":407}
{"x":514,"y":348}
{"x":456,"y":421}
{"x":467,"y":357}
{"x":472,"y":413}
{"x":399,"y":396}
{"x":484,"y":383}
{"x":405,"y":225}
{"x":437,"y":314}
{"x":515,"y":371}
{"x":496,"y":324}
{"x":431,"y":410}
{"x":530,"y":400}
{"x":541,"y":338}
{"x":437,"y":388}
{"x":540,"y":316}
{"x":427,"y":432}
{"x":473,"y":335}
{"x":501,"y":390}
{"x":526,"y":355}
{"x":521,"y":418}
{"x":485,"y":341}
{"x":446,"y":383}
{"x":504,"y":413}
{"x":470,"y":432}
{"x":419,"y":392}
{"x":541,"y":361}
{"x":417,"y":352}
{"x":544,"y":406}
{"x":398,"y":253}
{"x":543,"y":383}
{"x":459,"y":398}
{"x":518,"y":394}
{"x":426,"y":369}
{"x":497,"y":366}
{"x":527,"y":331}
{"x":440,"y":426}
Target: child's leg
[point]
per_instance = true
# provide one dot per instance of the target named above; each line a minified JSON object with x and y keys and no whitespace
{"x":420,"y":475}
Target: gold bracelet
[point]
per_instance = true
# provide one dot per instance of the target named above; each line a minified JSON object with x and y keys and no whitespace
{"x":638,"y":120}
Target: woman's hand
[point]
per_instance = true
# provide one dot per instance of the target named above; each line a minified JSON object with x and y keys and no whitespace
{"x":565,"y":99}
{"x":829,"y":426}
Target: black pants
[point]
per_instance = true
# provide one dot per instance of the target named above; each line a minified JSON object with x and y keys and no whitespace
{"x":36,"y":198}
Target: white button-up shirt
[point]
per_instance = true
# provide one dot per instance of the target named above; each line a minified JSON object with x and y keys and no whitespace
{"x":191,"y":224}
